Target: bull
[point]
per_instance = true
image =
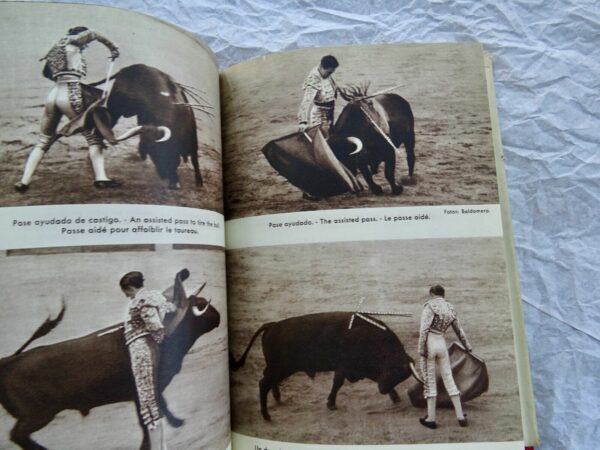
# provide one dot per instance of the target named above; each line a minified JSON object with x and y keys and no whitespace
{"x":381,"y":123}
{"x":367,"y":133}
{"x":90,"y":371}
{"x":166,"y":122}
{"x":324,"y":342}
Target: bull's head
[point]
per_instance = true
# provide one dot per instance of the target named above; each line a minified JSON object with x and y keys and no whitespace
{"x":99,"y":117}
{"x":345,"y":148}
{"x":362,"y":115}
{"x":400,"y":368}
{"x":201,"y":315}
{"x":200,"y":318}
{"x":191,"y":328}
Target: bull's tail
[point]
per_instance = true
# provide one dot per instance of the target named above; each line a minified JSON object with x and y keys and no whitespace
{"x":45,"y":328}
{"x":235,"y":365}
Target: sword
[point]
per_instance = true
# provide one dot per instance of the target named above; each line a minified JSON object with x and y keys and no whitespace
{"x":107,"y":86}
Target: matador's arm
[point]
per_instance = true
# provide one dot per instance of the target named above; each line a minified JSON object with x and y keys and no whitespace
{"x":90,"y":36}
{"x":461,"y":335}
{"x":426,"y":319}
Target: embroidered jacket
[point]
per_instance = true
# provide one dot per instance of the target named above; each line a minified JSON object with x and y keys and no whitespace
{"x":65,"y":57}
{"x":145,"y":317}
{"x":437,"y":316}
{"x":316,"y":90}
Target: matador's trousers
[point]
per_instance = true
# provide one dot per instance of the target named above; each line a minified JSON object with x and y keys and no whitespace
{"x":144,"y":354}
{"x":437,"y":355}
{"x":66,"y":98}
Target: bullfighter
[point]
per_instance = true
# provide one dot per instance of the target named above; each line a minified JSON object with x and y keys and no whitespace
{"x":438,"y":315}
{"x":320,"y":92}
{"x":66,"y":66}
{"x":144,"y":331}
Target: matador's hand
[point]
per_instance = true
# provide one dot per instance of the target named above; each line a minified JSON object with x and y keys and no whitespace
{"x":114,"y":54}
{"x":302,"y":127}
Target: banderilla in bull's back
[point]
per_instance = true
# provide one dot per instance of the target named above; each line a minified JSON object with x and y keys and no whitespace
{"x":323,"y":342}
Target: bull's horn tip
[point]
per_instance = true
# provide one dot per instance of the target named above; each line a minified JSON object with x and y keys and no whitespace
{"x":166,"y":134}
{"x":130,"y":133}
{"x":415,"y":374}
{"x":356,"y":141}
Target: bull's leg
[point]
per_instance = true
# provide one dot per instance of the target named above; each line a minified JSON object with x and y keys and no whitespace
{"x":390,"y":169}
{"x":374,"y":168}
{"x":264,"y":386}
{"x":276,"y":393}
{"x":409,"y":144}
{"x":21,"y":432}
{"x":338,"y":381}
{"x":173,"y":420}
{"x":102,"y":121}
{"x":394,"y":396}
{"x":145,"y":445}
{"x":197,"y":173}
{"x":174,"y":181}
{"x":366,"y":173}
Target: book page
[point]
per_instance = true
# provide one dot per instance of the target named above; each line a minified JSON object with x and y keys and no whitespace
{"x":358,"y":199}
{"x":157,"y":65}
{"x":112,"y":255}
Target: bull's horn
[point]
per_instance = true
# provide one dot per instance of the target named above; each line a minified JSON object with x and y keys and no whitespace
{"x":415,"y":374}
{"x":199,"y":289}
{"x":166,"y":134}
{"x":197,"y":312}
{"x":357,"y":142}
{"x":130,"y":133}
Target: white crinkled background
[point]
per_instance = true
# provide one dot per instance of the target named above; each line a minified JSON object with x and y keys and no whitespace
{"x":547,"y":75}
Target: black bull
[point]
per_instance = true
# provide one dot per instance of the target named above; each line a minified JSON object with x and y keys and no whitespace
{"x":324,"y":342}
{"x":378,"y":124}
{"x":90,"y":371}
{"x":166,"y":123}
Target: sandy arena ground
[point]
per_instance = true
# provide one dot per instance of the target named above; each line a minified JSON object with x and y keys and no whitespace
{"x":33,"y":287}
{"x":65,"y":175}
{"x":272,"y":283}
{"x":444,"y":85}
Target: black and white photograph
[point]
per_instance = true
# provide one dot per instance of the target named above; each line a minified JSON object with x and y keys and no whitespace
{"x":351,"y":127}
{"x":126,"y":111}
{"x":114,"y":348}
{"x":373,"y":342}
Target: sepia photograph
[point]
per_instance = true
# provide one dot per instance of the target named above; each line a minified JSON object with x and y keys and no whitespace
{"x":357,"y":126}
{"x":122,"y":112}
{"x":373,"y":343}
{"x":114,"y":348}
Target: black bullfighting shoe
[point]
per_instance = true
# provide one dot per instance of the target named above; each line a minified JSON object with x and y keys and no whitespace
{"x":428,"y":424}
{"x":21,"y":187}
{"x":104,"y":184}
{"x":463,"y":422}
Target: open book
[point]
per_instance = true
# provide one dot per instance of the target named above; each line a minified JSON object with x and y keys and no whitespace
{"x":313,"y":243}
